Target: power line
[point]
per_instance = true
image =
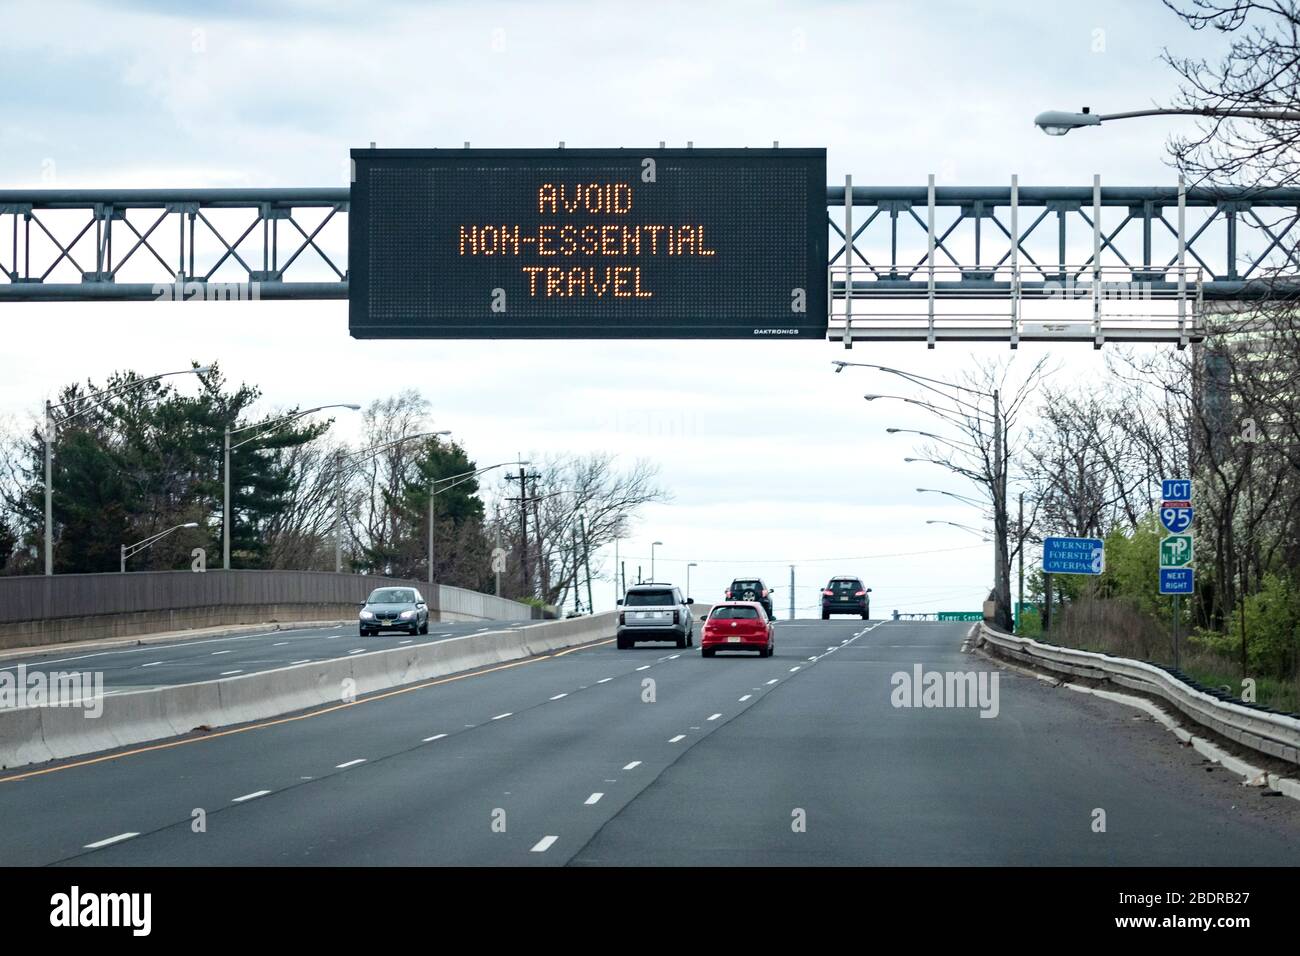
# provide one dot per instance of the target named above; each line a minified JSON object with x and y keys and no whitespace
{"x":860,"y":557}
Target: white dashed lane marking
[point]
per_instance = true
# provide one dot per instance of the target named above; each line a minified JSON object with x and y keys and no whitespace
{"x":677,"y":738}
{"x":715,"y":717}
{"x":594,"y":798}
{"x":633,"y":765}
{"x":113,"y":839}
{"x":544,"y":844}
{"x":350,"y":763}
{"x":251,"y":796}
{"x":428,"y":740}
{"x":558,"y":696}
{"x":502,"y":716}
{"x":746,"y":697}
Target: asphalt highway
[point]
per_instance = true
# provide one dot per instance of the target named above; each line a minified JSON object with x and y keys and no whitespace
{"x":136,"y":666}
{"x":651,"y":756}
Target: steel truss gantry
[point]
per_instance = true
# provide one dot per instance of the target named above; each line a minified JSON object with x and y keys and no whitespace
{"x":1091,"y":263}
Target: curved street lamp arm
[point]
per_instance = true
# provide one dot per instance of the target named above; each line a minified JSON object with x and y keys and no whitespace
{"x":97,"y":397}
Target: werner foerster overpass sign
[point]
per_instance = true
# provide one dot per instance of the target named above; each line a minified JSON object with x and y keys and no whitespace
{"x":588,"y":243}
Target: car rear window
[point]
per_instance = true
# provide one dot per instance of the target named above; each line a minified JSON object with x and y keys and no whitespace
{"x":746,"y":586}
{"x":734,"y":614}
{"x":648,"y":598}
{"x":846,"y":586}
{"x":392,"y":596}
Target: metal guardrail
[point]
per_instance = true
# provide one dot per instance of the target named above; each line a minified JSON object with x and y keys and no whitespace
{"x":1266,"y":731}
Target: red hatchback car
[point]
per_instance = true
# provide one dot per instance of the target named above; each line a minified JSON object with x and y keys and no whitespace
{"x":738,"y":626}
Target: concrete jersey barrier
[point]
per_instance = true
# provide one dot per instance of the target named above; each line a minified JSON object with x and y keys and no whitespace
{"x":35,"y":734}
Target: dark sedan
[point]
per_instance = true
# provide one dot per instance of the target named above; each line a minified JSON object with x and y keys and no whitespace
{"x":395,"y":608}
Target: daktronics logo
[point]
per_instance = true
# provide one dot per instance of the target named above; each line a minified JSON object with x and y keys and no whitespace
{"x":777,"y":331}
{"x":74,"y":908}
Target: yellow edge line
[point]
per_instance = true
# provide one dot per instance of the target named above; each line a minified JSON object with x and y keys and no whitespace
{"x":287,"y":720}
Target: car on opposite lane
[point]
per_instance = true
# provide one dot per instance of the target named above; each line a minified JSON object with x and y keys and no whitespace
{"x":845,"y":595}
{"x":738,"y":626}
{"x":395,"y":608}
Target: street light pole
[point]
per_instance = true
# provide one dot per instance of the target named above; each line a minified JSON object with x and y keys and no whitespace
{"x":1060,"y":122}
{"x":225,"y":504}
{"x":653,"y":545}
{"x":125,"y":551}
{"x":266,"y":428}
{"x":48,"y":436}
{"x":49,"y":489}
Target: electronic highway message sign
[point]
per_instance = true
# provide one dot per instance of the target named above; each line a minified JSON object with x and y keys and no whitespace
{"x":588,"y":243}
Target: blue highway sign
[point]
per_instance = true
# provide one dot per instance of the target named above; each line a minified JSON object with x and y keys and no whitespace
{"x":1073,"y":556}
{"x":1177,"y":580}
{"x":1176,"y":489}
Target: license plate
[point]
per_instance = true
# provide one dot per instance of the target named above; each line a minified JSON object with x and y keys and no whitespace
{"x":645,"y":614}
{"x":733,"y":640}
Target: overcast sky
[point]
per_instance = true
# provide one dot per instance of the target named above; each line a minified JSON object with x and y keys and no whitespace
{"x":770,"y":458}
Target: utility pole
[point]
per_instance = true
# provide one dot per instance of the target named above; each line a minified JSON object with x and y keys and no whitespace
{"x":577,"y":603}
{"x":225,"y":506}
{"x":586,"y":560}
{"x":525,"y":567}
{"x":49,"y":487}
{"x":433,"y":498}
{"x":338,"y":509}
{"x":1002,"y":583}
{"x":792,"y":592}
{"x":1020,"y":547}
{"x":498,"y":546}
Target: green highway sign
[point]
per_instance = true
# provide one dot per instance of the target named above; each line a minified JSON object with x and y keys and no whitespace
{"x":961,"y":615}
{"x":1176,"y":551}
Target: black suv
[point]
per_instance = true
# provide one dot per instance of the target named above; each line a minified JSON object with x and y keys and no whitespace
{"x":751,"y":589}
{"x":845,"y":595}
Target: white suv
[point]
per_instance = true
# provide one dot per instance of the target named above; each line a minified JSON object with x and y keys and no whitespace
{"x":655,"y":612}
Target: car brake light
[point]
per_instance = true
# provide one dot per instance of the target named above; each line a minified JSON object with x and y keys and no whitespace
{"x":763,"y":593}
{"x":859,"y":593}
{"x":829,"y":593}
{"x":622,"y":618}
{"x":728,"y":594}
{"x":677,"y":617}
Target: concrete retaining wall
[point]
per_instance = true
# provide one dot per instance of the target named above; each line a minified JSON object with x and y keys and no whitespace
{"x":33,"y":735}
{"x":85,"y":607}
